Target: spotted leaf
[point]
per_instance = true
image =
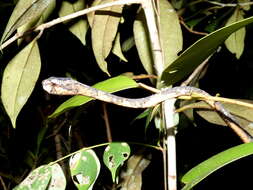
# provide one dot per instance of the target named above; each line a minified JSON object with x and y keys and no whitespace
{"x":114,"y":156}
{"x":37,"y":179}
{"x":84,"y":169}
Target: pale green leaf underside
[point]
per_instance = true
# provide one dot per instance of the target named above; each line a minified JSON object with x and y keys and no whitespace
{"x":201,"y":171}
{"x":19,"y":79}
{"x":111,"y":85}
{"x":235,"y":42}
{"x":199,"y":51}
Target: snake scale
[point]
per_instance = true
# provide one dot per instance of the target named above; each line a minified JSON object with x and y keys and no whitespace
{"x":68,"y":86}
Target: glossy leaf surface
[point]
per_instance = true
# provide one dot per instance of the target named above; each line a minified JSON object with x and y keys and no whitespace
{"x":201,"y":171}
{"x":199,"y":51}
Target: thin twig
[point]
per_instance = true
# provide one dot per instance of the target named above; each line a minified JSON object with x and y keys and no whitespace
{"x":196,"y":72}
{"x":3,"y":184}
{"x":191,"y":30}
{"x":59,"y":20}
{"x":229,"y":4}
{"x":107,"y":123}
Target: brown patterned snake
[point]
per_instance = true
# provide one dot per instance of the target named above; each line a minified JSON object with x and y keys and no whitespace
{"x":68,"y":86}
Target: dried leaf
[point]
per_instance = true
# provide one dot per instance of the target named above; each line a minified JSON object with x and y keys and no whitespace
{"x":78,"y":27}
{"x":235,"y":42}
{"x":132,"y":176}
{"x":104,"y":30}
{"x":19,"y":79}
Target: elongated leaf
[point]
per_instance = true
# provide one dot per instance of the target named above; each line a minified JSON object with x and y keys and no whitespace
{"x":171,"y":33}
{"x":84,"y":169}
{"x":142,"y":42}
{"x":235,"y":42}
{"x":104,"y":30}
{"x":19,"y":79}
{"x":25,"y":11}
{"x":37,"y":179}
{"x":78,"y":27}
{"x":115,"y":155}
{"x":58,"y":180}
{"x":35,"y":21}
{"x":111,"y":85}
{"x":199,"y":51}
{"x":117,"y":48}
{"x":201,"y":171}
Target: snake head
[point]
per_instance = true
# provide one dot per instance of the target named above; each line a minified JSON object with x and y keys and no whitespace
{"x":60,"y":86}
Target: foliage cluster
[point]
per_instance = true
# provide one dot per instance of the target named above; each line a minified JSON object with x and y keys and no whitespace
{"x":52,"y":142}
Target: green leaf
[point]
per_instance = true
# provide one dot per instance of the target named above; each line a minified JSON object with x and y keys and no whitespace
{"x":84,"y":169}
{"x":142,"y":42}
{"x":19,"y":79}
{"x":80,"y":26}
{"x":201,"y":171}
{"x":199,"y":51}
{"x":37,"y":179}
{"x":128,"y":44}
{"x":35,"y":21}
{"x":58,"y":180}
{"x":117,"y":48}
{"x":103,"y":32}
{"x":115,"y":155}
{"x":243,"y":115}
{"x":24,"y":12}
{"x":171,"y":37}
{"x":111,"y":85}
{"x":247,"y":7}
{"x":171,"y":33}
{"x":235,"y":42}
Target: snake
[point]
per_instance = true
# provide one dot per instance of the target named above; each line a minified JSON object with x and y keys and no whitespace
{"x":68,"y":86}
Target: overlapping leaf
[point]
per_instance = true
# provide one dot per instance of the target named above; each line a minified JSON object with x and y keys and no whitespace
{"x":111,"y":85}
{"x":24,"y":12}
{"x":104,"y":29}
{"x":171,"y":37}
{"x":235,"y":42}
{"x":37,"y":179}
{"x":78,"y":27}
{"x":58,"y":180}
{"x":84,"y":169}
{"x":19,"y":79}
{"x":199,"y":51}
